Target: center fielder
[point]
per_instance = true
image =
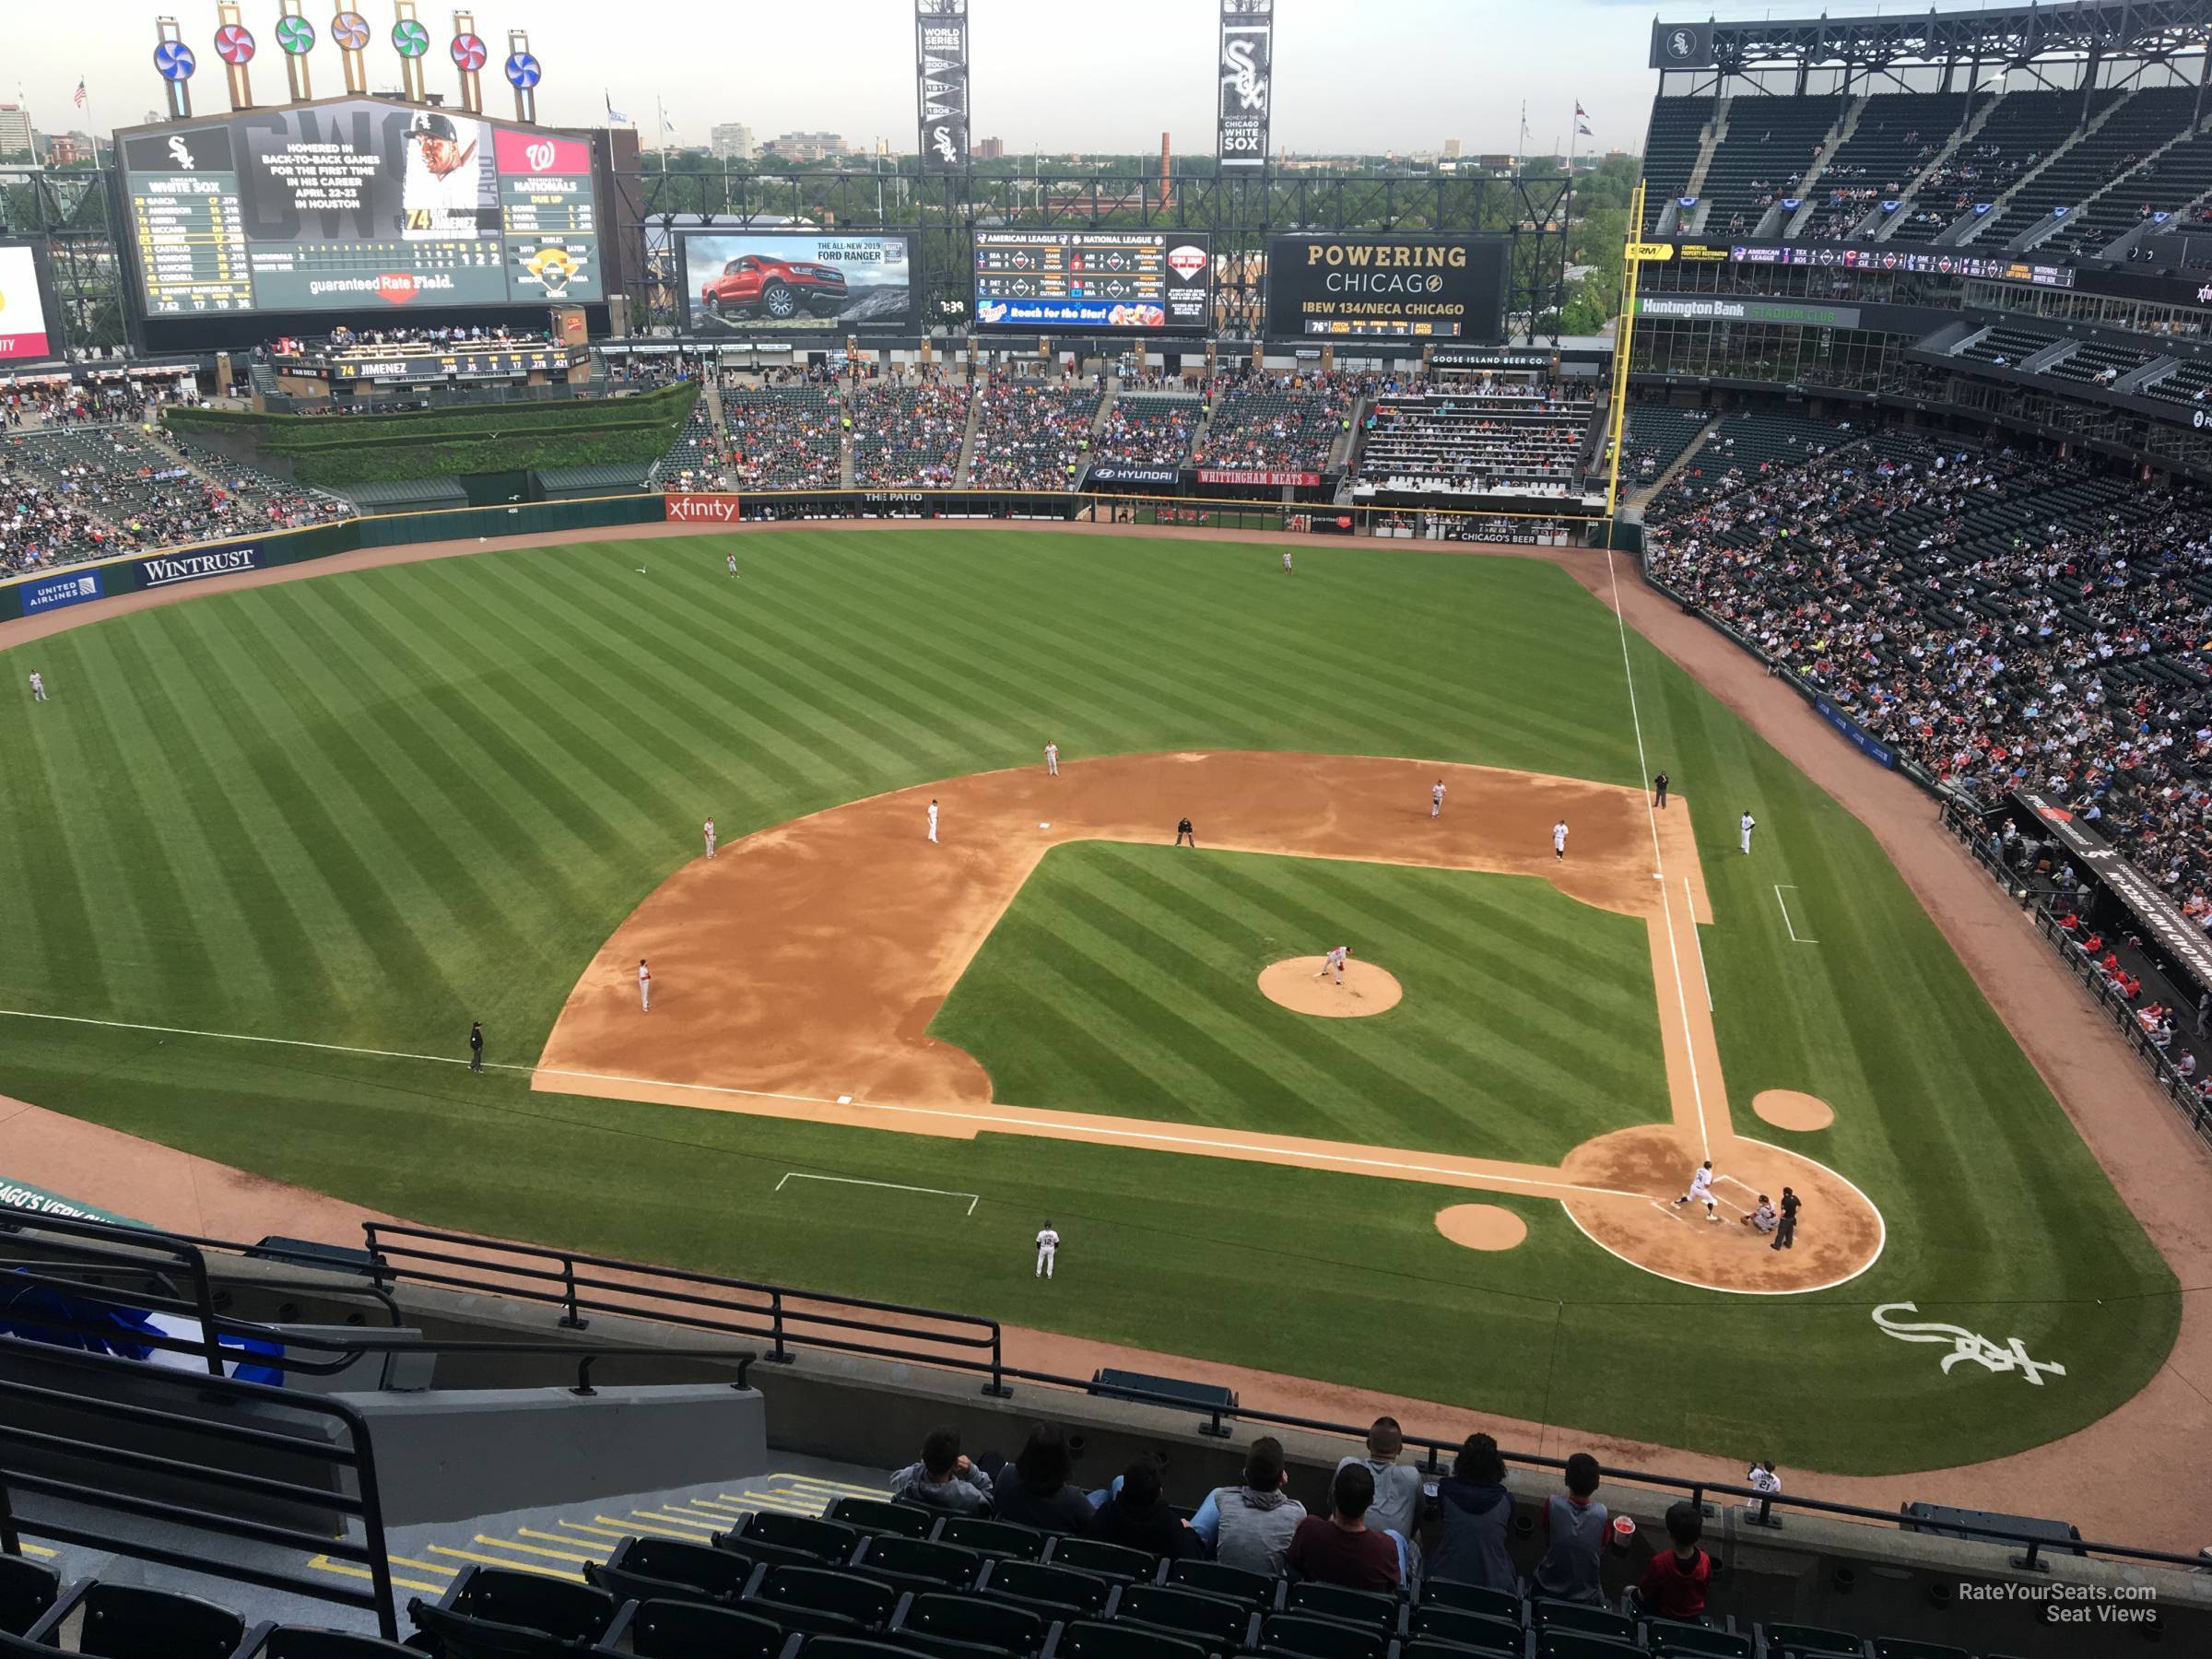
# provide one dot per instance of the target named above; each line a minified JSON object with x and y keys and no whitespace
{"x":1048,"y":1246}
{"x":709,"y":828}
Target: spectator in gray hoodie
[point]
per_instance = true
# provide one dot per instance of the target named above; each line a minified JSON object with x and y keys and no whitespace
{"x":1474,"y":1514}
{"x":943,"y":1479}
{"x":1250,"y":1525}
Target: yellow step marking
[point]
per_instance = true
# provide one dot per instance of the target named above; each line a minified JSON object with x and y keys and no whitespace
{"x":684,"y":1513}
{"x":617,"y":1533}
{"x":529,"y":1532}
{"x":715,"y":1506}
{"x":347,"y":1570}
{"x":666,"y":1519}
{"x":843,"y":1489}
{"x":426,"y":1566}
{"x":38,"y":1550}
{"x":689,"y":1534}
{"x":558,"y":1555}
{"x":485,"y":1560}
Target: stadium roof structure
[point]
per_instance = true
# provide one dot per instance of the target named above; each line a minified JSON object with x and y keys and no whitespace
{"x":2145,"y":33}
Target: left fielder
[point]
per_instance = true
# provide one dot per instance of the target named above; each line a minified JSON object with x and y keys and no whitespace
{"x":707,"y":828}
{"x":1746,"y":824}
{"x":1048,"y":1246}
{"x":1052,"y":760}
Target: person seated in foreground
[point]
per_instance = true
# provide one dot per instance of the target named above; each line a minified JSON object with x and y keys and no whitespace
{"x":1136,"y":1515}
{"x":1338,"y":1548}
{"x":1039,"y":1493}
{"x":1250,"y":1525}
{"x":943,"y":1479}
{"x":1475,"y":1515}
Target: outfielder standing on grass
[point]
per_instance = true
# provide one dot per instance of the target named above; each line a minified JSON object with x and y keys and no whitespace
{"x":1048,"y":1246}
{"x":709,"y":828}
{"x":1746,"y":824}
{"x":38,"y":687}
{"x":1052,"y":760}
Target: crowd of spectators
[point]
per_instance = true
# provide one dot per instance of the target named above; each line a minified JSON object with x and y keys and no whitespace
{"x":1279,"y":422}
{"x":2003,"y":621}
{"x":781,"y":438}
{"x":1490,"y":439}
{"x":906,"y":436}
{"x":1030,"y":435}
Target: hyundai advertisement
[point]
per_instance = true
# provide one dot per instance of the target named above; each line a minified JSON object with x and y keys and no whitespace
{"x":749,"y":283}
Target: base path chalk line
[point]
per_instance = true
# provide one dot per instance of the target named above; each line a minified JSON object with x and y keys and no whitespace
{"x":1796,"y":936}
{"x":1694,"y":934}
{"x":986,"y":1121}
{"x":889,"y":1186}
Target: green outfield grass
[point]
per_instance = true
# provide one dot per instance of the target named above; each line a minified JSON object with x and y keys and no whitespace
{"x":364,"y":809}
{"x":1122,"y":980}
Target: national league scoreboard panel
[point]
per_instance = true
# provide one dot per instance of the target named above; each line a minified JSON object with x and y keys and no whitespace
{"x":1108,"y":281}
{"x":357,"y":204}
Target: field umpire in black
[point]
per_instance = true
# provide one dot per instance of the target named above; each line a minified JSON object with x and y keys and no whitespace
{"x":1184,"y":832}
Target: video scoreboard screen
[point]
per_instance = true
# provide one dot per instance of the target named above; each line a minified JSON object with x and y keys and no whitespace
{"x":353,"y":204}
{"x":1107,"y":281}
{"x":1382,"y":285}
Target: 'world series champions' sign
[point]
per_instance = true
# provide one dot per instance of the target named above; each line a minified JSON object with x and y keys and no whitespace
{"x":1247,"y":88}
{"x":941,"y":83}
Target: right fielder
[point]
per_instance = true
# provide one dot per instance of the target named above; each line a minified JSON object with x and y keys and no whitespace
{"x":1048,"y":1246}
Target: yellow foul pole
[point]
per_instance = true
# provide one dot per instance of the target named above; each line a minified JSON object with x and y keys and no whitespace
{"x":1624,"y":330}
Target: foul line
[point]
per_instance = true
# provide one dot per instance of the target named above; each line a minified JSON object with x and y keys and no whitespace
{"x":1796,"y":936}
{"x":889,"y":1186}
{"x":1666,"y":905}
{"x":1697,"y":938}
{"x":1293,"y":1158}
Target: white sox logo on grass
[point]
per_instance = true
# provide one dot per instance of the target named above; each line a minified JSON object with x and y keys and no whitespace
{"x":192,"y":567}
{"x":1965,"y":1345}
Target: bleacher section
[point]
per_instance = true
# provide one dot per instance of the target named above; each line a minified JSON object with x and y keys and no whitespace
{"x":2007,"y":346}
{"x":2190,"y":383}
{"x":1670,"y":151}
{"x":1263,"y":423}
{"x":1493,"y":442}
{"x":1898,"y":135}
{"x":781,"y":438}
{"x":2095,"y":363}
{"x":2016,"y":135}
{"x":1749,"y":445}
{"x":1032,"y":437}
{"x":1769,"y":147}
{"x":694,"y":458}
{"x":2147,"y":120}
{"x":2167,"y":184}
{"x":908,"y":437}
{"x":1654,"y":439}
{"x":1150,"y":429}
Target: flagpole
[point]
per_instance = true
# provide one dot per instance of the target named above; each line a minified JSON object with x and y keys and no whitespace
{"x":1574,"y":130}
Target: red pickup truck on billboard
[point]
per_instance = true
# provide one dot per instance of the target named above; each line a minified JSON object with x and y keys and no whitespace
{"x":778,"y":288}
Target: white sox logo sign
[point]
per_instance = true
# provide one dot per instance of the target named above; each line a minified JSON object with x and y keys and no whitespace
{"x":1997,"y":1358}
{"x":1247,"y":65}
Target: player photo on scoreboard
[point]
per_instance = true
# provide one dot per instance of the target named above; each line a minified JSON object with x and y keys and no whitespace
{"x":363,"y":172}
{"x":450,"y":190}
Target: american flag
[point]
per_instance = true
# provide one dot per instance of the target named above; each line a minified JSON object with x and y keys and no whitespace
{"x":79,"y":100}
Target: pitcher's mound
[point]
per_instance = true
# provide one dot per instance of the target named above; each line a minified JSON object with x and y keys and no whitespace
{"x":1481,"y":1226}
{"x":1786,"y":1109}
{"x":1300,"y":986}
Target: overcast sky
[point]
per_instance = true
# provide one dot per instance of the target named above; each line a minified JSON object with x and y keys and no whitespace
{"x":1351,"y":75}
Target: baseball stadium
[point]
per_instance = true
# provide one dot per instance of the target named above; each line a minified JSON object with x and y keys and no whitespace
{"x":1439,"y":907}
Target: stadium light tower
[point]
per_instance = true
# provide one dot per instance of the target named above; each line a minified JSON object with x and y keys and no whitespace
{"x":174,"y":63}
{"x":522,"y":73}
{"x":296,"y":36}
{"x":469,"y":54}
{"x":411,"y":40}
{"x":234,"y":45}
{"x":350,"y":30}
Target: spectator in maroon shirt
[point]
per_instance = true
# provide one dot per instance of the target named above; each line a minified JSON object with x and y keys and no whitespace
{"x":1338,"y":1548}
{"x":1673,"y":1585}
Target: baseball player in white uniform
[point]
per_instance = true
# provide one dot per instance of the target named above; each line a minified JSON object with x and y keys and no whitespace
{"x":1286,"y":561}
{"x":1048,"y":1246}
{"x":1746,"y":824}
{"x":1052,"y":760}
{"x":709,"y":827}
{"x":933,"y":820}
{"x":1701,"y":1191}
{"x":645,"y":986}
{"x":1436,"y":800}
{"x":1559,"y":840}
{"x":38,"y":687}
{"x":731,"y":560}
{"x":1334,"y":963}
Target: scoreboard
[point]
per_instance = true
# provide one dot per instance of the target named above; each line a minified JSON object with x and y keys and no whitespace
{"x":1106,"y":281}
{"x":355,"y":203}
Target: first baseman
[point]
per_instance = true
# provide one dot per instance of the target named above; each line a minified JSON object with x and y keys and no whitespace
{"x":1701,"y":1191}
{"x":38,"y":687}
{"x":1559,"y":840}
{"x":933,"y":819}
{"x":1746,"y":824}
{"x":709,"y":828}
{"x":645,"y":986}
{"x":1436,"y":800}
{"x":1052,"y":760}
{"x":1333,"y":961}
{"x":1048,"y":1246}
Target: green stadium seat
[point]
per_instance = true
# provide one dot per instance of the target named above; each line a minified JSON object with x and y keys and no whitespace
{"x":569,"y":1611}
{"x":718,"y":1571}
{"x":992,"y":1537}
{"x":974,"y":1619}
{"x":1897,"y":1647}
{"x":1581,"y":1617}
{"x":821,"y":1601}
{"x":668,"y":1630}
{"x":1114,"y":1561}
{"x":1561,"y":1643}
{"x":1061,"y":1592}
{"x":1812,"y":1639}
{"x":1462,"y":1629}
{"x":626,"y":1586}
{"x":917,"y":1564}
{"x":1507,"y":1639}
{"x":758,"y":1552}
{"x":1238,"y":1583}
{"x":824,"y":1540}
{"x":456,"y":1635}
{"x":1367,"y":1609}
{"x":850,"y":1647}
{"x":881,"y":1516}
{"x":1083,"y":1640}
{"x":124,"y":1622}
{"x":1310,"y":1637}
{"x":27,"y":1592}
{"x":1471,"y":1598}
{"x":1668,"y":1639}
{"x":1222,"y":1625}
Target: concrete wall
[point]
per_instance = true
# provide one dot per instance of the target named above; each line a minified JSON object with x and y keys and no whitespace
{"x":446,"y":1457}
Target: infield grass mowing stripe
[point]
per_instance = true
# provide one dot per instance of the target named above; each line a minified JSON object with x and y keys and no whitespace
{"x":1151,"y":954}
